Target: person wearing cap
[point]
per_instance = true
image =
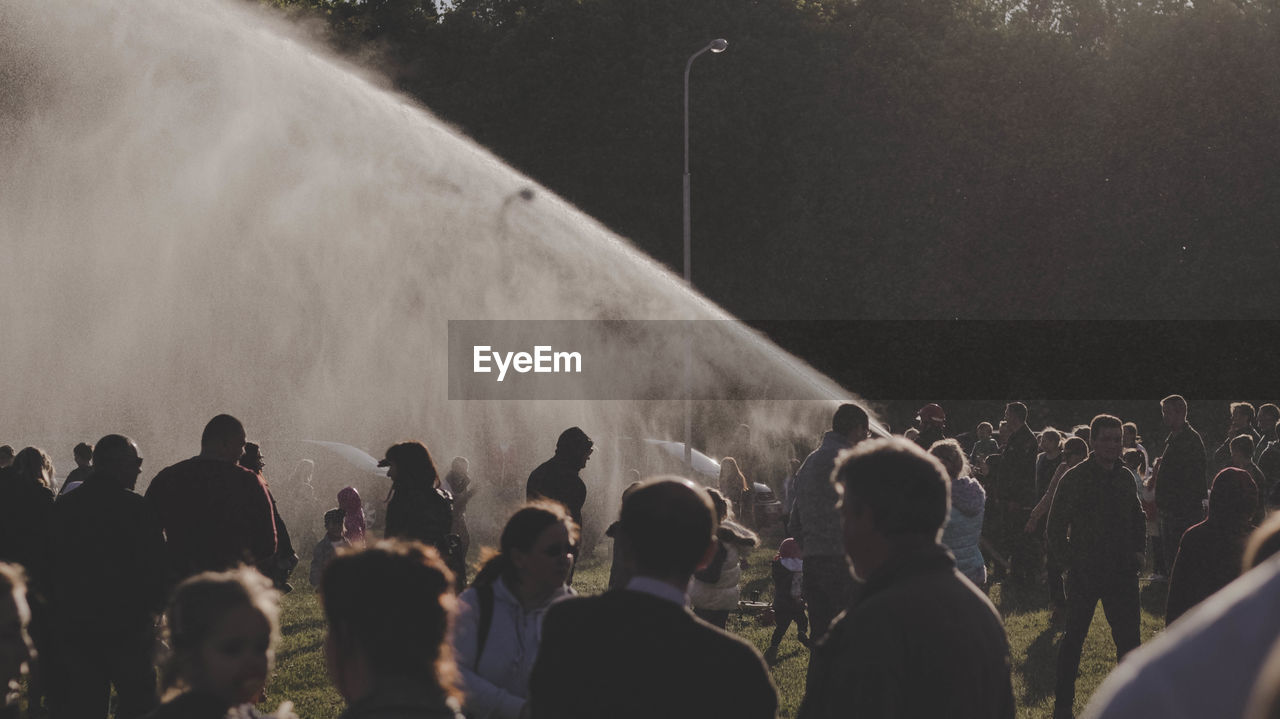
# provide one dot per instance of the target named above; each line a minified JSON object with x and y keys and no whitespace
{"x":933,"y":424}
{"x":418,"y":508}
{"x":557,"y":478}
{"x":788,"y":596}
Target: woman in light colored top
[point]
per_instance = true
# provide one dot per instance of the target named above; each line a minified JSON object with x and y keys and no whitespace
{"x":500,"y":623}
{"x":963,"y":530}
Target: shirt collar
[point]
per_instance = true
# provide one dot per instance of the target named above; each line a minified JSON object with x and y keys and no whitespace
{"x":661,"y":590}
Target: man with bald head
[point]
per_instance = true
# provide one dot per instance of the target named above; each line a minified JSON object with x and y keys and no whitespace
{"x":639,"y":651}
{"x":215,"y":513}
{"x":105,"y":536}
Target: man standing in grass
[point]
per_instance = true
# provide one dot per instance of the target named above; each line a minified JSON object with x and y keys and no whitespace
{"x":1098,"y":532}
{"x":815,"y":521}
{"x":920,"y":640}
{"x":215,"y":513}
{"x":1180,"y":482}
{"x":1016,"y":491}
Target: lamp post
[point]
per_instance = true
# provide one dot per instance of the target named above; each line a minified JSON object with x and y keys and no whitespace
{"x":717,"y":46}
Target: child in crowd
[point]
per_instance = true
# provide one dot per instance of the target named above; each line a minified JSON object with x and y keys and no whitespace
{"x":222,"y":633}
{"x":335,"y":538}
{"x":1136,"y":461}
{"x":788,"y":603}
{"x":350,"y":502}
{"x":714,"y":591}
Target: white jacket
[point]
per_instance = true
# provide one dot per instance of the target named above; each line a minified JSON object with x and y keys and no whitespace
{"x":724,"y":593}
{"x":499,"y":687}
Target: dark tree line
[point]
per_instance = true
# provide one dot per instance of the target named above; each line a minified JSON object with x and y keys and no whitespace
{"x":884,"y":158}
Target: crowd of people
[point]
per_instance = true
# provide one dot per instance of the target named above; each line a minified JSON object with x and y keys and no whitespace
{"x":1086,"y":513}
{"x":889,"y":551}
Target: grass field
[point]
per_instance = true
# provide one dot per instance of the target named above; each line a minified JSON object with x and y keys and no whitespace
{"x":300,"y":673}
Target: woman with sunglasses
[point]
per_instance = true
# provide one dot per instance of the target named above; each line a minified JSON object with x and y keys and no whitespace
{"x":500,"y":623}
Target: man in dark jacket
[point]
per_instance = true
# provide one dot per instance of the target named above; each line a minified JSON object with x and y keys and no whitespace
{"x":1016,"y":491}
{"x":557,"y":478}
{"x":815,"y":521}
{"x":920,"y":640}
{"x":108,"y":581}
{"x":639,"y":652}
{"x":1180,"y":481}
{"x":215,"y":513}
{"x":1098,"y":532}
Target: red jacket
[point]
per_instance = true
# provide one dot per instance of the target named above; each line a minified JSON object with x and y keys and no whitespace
{"x":215,"y":515}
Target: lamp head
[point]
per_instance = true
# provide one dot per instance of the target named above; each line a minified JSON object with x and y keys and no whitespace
{"x":719,"y":45}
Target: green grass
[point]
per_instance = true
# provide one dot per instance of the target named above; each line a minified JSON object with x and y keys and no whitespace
{"x":300,"y":673}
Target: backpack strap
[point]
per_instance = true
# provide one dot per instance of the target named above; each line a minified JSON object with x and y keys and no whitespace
{"x":484,"y":593}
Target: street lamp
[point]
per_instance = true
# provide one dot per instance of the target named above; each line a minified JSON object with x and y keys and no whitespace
{"x":718,"y":45}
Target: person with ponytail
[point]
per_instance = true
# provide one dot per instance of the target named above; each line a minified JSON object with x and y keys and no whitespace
{"x":500,"y":624}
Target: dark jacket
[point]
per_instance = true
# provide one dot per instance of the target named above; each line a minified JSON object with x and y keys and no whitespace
{"x":286,"y":557}
{"x":815,"y":520}
{"x":929,"y":435}
{"x":1211,"y":552}
{"x":1017,"y":473}
{"x":25,"y":509}
{"x":191,"y":705}
{"x":1222,"y":455}
{"x":1045,"y":468}
{"x":783,"y":583}
{"x":1269,"y":463}
{"x":920,"y":641}
{"x":419,"y":511}
{"x":1099,"y":509}
{"x":629,"y":655}
{"x":557,"y":479}
{"x":401,"y":698}
{"x":1181,"y":482}
{"x":105,"y":536}
{"x":215,"y":515}
{"x":79,"y":474}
